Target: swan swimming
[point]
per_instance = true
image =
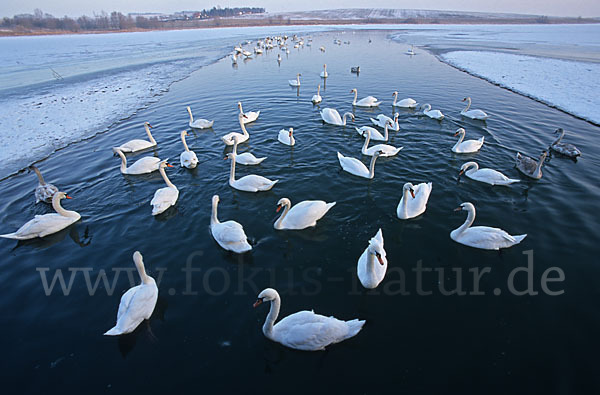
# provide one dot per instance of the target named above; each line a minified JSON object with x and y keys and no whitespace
{"x":374,"y":133}
{"x":489,"y":176}
{"x":241,"y":137}
{"x":384,"y":149}
{"x":304,"y":330}
{"x":370,"y":273}
{"x":368,"y":101}
{"x":47,"y":224}
{"x":356,"y":167}
{"x":381,"y":120}
{"x":404,"y":103}
{"x":250,"y":116}
{"x":324,"y":73}
{"x":466,"y":147}
{"x":483,"y":237}
{"x":164,"y":197}
{"x":145,"y":165}
{"x":564,"y":148}
{"x":245,"y":158}
{"x":473,"y":114}
{"x":529,"y":166}
{"x":249,"y":183}
{"x":137,"y":144}
{"x":229,"y":234}
{"x":187,"y":158}
{"x":137,"y":304}
{"x":332,"y":117}
{"x":295,"y":82}
{"x":286,"y":137}
{"x":415,"y":204}
{"x":433,"y":114}
{"x":303,"y":215}
{"x":317,"y":98}
{"x":44,"y":191}
{"x":198,"y":123}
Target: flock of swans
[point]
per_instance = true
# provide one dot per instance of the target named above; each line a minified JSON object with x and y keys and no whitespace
{"x":304,"y":330}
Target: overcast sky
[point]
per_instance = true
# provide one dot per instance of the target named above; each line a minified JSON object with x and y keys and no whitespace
{"x":585,"y":8}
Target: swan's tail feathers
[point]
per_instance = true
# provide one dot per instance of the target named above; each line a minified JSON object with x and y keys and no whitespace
{"x":512,"y":180}
{"x":11,"y":236}
{"x":482,"y":139}
{"x":114,"y":331}
{"x":340,"y":156}
{"x":376,"y":103}
{"x":354,"y":327}
{"x":374,"y":121}
{"x":330,"y":205}
{"x":259,"y":160}
{"x":519,"y":238}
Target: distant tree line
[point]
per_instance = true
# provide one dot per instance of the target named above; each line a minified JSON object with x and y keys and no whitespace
{"x":113,"y":21}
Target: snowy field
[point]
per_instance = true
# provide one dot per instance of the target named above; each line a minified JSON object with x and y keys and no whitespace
{"x":570,"y":86}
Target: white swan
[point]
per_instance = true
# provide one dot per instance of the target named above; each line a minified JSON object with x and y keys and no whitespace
{"x":489,"y":176}
{"x":279,"y":58}
{"x":375,"y":134}
{"x":234,"y":58}
{"x":137,"y":144}
{"x":287,"y":137}
{"x":47,"y":224}
{"x":529,"y":166}
{"x":164,"y":197}
{"x":137,"y":304}
{"x":295,"y":82}
{"x":241,"y":137}
{"x":382,"y":119}
{"x":386,"y":149}
{"x":564,"y":148}
{"x":199,"y":123}
{"x":473,"y":114}
{"x":249,"y":183}
{"x":229,"y":234}
{"x":404,"y":103}
{"x":370,"y":273}
{"x":304,"y":330}
{"x":356,"y":167}
{"x":332,"y":117}
{"x":250,"y":116}
{"x":187,"y":158}
{"x":303,"y":215}
{"x":466,"y":147}
{"x":324,"y":73}
{"x":44,"y":191}
{"x":317,"y":98}
{"x":483,"y":237}
{"x":414,"y":200}
{"x":433,"y":114}
{"x":145,"y":165}
{"x":411,"y":51}
{"x":368,"y":101}
{"x":245,"y":158}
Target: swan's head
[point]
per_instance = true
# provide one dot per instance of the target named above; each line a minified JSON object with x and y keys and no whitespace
{"x":230,"y":155}
{"x":235,"y":139}
{"x":466,"y":99}
{"x":378,"y":153}
{"x":466,"y":166}
{"x":466,"y":206}
{"x":459,"y":131}
{"x":148,"y":123}
{"x":410,"y":188}
{"x":395,"y":93}
{"x":376,"y":248}
{"x":215,"y":200}
{"x":266,"y":295}
{"x":324,"y":66}
{"x":117,"y":151}
{"x":163,"y":163}
{"x":242,"y":116}
{"x":283,"y":202}
{"x":61,"y":195}
{"x":184,"y":133}
{"x":396,"y":115}
{"x":353,"y":90}
{"x":543,"y":155}
{"x":558,"y":131}
{"x":426,"y":107}
{"x":291,"y":131}
{"x":298,"y":75}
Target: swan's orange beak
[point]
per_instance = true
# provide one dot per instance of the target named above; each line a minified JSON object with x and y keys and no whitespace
{"x":244,"y":115}
{"x":257,"y":303}
{"x":458,"y":208}
{"x":225,"y":158}
{"x":455,"y":134}
{"x":380,"y":260}
{"x":68,"y":197}
{"x":169,"y":165}
{"x":290,"y":134}
{"x":412,"y":192}
{"x":278,"y":208}
{"x":150,"y":126}
{"x":460,"y":173}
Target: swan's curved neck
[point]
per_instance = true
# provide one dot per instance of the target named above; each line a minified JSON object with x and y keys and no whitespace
{"x":271,"y":317}
{"x":468,"y":221}
{"x":232,"y":171}
{"x":60,"y":210}
{"x":163,"y":173}
{"x":280,"y":219}
{"x":538,"y":168}
{"x":240,"y":107}
{"x":355,"y":96}
{"x":123,"y":161}
{"x":150,"y":134}
{"x":41,"y":178}
{"x":367,"y":141}
{"x":139,"y":264}
{"x":562,"y":133}
{"x":372,"y":166}
{"x":243,"y":127}
{"x":385,"y":132}
{"x":460,"y":139}
{"x":468,"y":104}
{"x":298,"y":79}
{"x":184,"y":143}
{"x":405,"y":197}
{"x":472,"y":167}
{"x":318,"y":90}
{"x":395,"y":94}
{"x":191,"y":116}
{"x":370,"y":262}
{"x":213,"y":217}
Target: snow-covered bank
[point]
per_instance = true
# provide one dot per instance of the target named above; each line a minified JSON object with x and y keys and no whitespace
{"x":570,"y":86}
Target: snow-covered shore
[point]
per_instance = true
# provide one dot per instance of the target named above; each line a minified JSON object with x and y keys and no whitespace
{"x":567,"y":85}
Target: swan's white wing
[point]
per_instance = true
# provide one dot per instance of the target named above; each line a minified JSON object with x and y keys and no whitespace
{"x":331,"y":116}
{"x":305,"y":214}
{"x":188,"y":159}
{"x":229,"y":232}
{"x":42,"y":225}
{"x":146,"y":164}
{"x":137,"y":304}
{"x":163,"y":199}
{"x":418,"y":205}
{"x":228,"y":138}
{"x":136,"y":145}
{"x":488,"y":238}
{"x":306,"y":330}
{"x":353,"y":165}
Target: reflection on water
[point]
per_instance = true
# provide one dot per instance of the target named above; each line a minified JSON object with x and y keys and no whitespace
{"x":408,"y":339}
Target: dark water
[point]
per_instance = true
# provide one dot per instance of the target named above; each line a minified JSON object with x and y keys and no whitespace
{"x":205,"y":336}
